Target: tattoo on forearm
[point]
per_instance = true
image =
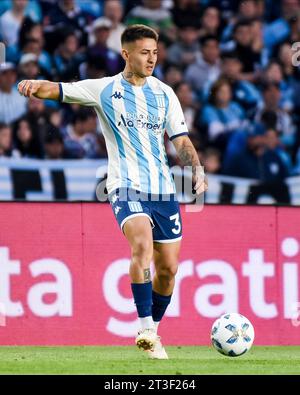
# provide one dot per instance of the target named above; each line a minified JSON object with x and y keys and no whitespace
{"x":189,"y":157}
{"x":186,"y":155}
{"x":147,"y":275}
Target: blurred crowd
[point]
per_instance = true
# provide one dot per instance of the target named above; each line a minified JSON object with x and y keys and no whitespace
{"x":231,"y":63}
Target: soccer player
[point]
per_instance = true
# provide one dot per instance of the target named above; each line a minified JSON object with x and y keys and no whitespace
{"x":134,"y":110}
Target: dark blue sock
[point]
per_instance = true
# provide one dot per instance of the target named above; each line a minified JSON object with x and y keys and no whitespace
{"x":142,"y":295}
{"x":160,"y":304}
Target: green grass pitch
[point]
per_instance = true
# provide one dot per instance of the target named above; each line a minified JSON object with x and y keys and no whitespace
{"x":129,"y":360}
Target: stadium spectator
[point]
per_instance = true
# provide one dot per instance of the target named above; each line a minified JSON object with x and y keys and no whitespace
{"x":80,"y":137}
{"x":274,"y":73}
{"x":244,"y":44}
{"x":227,"y":8}
{"x":153,"y":14}
{"x":190,"y":108}
{"x":11,"y":22}
{"x":29,"y":68}
{"x":65,"y":14}
{"x":247,"y":11}
{"x":271,"y":102}
{"x":244,"y":92}
{"x":162,"y":62}
{"x":114,"y":11}
{"x":33,"y":9}
{"x":31,"y":45}
{"x":12,"y":104}
{"x":99,"y":31}
{"x":267,"y":33}
{"x":291,"y":77}
{"x":186,"y":13}
{"x":221,"y":116}
{"x":173,"y":75}
{"x":279,"y":30}
{"x":6,"y":141}
{"x":285,"y":54}
{"x":26,"y":139}
{"x":294,"y":24}
{"x":271,"y":10}
{"x":290,"y":9}
{"x":187,"y":49}
{"x":113,"y":61}
{"x":206,"y":69}
{"x":273,"y":143}
{"x":211,"y":160}
{"x":93,"y":8}
{"x":188,"y":104}
{"x":67,"y":59}
{"x":40,"y":115}
{"x":45,"y":63}
{"x":54,"y":144}
{"x":55,"y":117}
{"x":32,"y":40}
{"x":35,"y":106}
{"x":256,"y":161}
{"x":257,"y":32}
{"x":94,"y":67}
{"x":210,"y":22}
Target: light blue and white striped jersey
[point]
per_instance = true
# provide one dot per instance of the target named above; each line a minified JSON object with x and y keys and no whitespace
{"x":133,"y":120}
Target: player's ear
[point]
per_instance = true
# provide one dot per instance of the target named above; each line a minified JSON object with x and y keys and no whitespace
{"x":124,"y":54}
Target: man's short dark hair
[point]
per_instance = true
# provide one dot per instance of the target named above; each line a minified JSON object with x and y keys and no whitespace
{"x":267,"y":85}
{"x":230,"y":55}
{"x":83,"y":114}
{"x":209,"y":37}
{"x":52,"y":135}
{"x":241,"y":23}
{"x":137,"y":32}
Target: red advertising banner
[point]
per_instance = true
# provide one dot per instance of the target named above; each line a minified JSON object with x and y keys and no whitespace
{"x":63,"y":275}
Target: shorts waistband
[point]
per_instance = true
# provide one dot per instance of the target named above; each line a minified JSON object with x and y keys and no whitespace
{"x":130,"y":194}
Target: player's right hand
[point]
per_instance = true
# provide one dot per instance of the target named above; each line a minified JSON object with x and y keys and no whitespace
{"x":28,"y":87}
{"x":200,"y":180}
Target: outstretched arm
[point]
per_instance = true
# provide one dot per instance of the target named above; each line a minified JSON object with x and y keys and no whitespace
{"x":189,"y":157}
{"x":39,"y":88}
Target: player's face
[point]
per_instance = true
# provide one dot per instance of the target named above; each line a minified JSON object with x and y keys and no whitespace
{"x":141,"y":56}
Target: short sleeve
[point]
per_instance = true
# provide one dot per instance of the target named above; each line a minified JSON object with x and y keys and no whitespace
{"x":175,"y":125}
{"x":82,"y":92}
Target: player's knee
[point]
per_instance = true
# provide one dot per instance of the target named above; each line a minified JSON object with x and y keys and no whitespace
{"x":142,"y":249}
{"x":168,"y":272}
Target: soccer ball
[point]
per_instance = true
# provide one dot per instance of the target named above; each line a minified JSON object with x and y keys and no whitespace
{"x":232,"y":334}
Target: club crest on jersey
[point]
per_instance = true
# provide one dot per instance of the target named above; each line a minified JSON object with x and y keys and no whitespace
{"x":117,"y":95}
{"x":160,"y":100}
{"x":135,"y":207}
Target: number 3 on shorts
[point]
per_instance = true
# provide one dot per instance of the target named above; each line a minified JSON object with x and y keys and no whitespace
{"x":175,"y":218}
